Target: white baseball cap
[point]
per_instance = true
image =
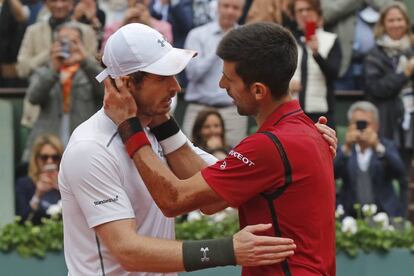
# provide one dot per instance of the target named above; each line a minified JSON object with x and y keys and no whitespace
{"x":138,"y":47}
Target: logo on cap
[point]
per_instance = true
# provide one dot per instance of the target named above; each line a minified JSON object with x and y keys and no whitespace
{"x":162,"y":41}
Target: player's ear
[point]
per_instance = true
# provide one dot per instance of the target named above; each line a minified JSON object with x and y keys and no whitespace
{"x":258,"y":90}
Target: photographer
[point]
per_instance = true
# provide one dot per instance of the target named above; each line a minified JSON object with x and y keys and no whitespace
{"x":368,"y":163}
{"x":65,"y":89}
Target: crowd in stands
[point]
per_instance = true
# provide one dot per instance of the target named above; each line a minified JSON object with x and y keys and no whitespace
{"x":53,"y":49}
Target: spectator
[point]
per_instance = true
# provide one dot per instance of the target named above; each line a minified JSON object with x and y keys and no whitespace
{"x":114,"y":10}
{"x":139,"y":13}
{"x":65,"y":89}
{"x":37,"y":40}
{"x":205,"y":71}
{"x":208,"y":133}
{"x":183,"y":15}
{"x":88,"y":12}
{"x":277,"y":11}
{"x":389,"y":73}
{"x":37,"y":191}
{"x":368,"y":163}
{"x":13,"y":18}
{"x":319,"y":54}
{"x":35,"y":49}
{"x":352,"y":21}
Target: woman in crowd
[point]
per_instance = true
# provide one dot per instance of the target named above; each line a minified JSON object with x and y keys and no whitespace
{"x":208,"y":133}
{"x":389,"y":72}
{"x":319,"y":56}
{"x":36,"y":192}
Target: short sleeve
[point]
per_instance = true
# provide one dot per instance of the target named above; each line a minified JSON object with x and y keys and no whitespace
{"x":207,"y":157}
{"x":94,"y":179}
{"x":252,"y":167}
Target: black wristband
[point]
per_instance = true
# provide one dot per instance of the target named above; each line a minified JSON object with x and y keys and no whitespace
{"x":128,"y":128}
{"x":166,"y":129}
{"x":208,"y":253}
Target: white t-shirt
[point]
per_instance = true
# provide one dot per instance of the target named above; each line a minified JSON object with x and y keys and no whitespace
{"x":99,"y":183}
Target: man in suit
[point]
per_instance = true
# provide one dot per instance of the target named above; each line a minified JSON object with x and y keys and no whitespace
{"x":368,"y":164}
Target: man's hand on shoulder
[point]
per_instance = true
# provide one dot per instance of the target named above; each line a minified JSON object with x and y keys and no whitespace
{"x":328,"y":134}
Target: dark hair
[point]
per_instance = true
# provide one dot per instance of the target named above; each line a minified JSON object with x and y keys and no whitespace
{"x":263,"y":52}
{"x":201,"y":118}
{"x":315,"y":5}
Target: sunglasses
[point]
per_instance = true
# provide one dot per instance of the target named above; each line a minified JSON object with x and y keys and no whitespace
{"x":45,"y":157}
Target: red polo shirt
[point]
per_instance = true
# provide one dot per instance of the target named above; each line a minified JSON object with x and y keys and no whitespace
{"x":287,"y":181}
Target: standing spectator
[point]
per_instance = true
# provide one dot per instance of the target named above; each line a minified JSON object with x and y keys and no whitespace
{"x":209,"y":133}
{"x":319,"y":54}
{"x":138,"y":12}
{"x":183,"y":15}
{"x":205,"y":71}
{"x":65,"y":89}
{"x":276,"y":11}
{"x":13,"y":19}
{"x":368,"y":163}
{"x":37,"y":40}
{"x":352,"y":21}
{"x":88,"y":12}
{"x":37,"y":191}
{"x":114,"y":10}
{"x":389,"y":72}
{"x":35,"y":49}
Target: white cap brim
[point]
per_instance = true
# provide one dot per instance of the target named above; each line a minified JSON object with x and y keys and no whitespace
{"x":170,"y":64}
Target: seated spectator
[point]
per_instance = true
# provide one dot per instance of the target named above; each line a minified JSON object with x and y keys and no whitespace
{"x":37,"y":191}
{"x":208,"y":133}
{"x":319,"y":54}
{"x":65,"y":89}
{"x":389,"y":77}
{"x":139,"y":13}
{"x":88,"y":12}
{"x":368,"y":163}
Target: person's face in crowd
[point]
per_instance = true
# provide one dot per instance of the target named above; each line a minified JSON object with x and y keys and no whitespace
{"x":395,"y":24}
{"x":154,"y":94}
{"x":360,"y":115}
{"x":229,"y":12}
{"x":304,"y":13}
{"x":60,"y":9}
{"x":48,"y":155}
{"x":236,"y":89}
{"x":70,"y":35}
{"x":211,"y":127}
{"x":138,"y":14}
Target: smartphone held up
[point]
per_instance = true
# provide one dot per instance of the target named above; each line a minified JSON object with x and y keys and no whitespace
{"x":310,"y":29}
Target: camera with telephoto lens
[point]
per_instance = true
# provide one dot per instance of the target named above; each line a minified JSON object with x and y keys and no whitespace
{"x":65,"y":49}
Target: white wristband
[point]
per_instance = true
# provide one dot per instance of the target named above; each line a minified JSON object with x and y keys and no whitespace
{"x":173,"y":143}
